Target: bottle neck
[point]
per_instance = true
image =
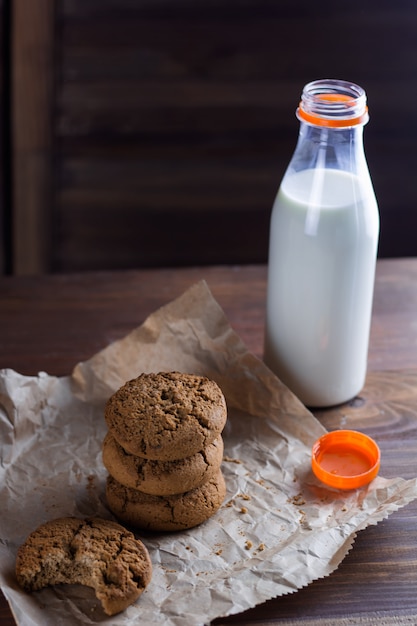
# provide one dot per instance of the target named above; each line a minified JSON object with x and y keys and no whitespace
{"x":329,"y":148}
{"x":331,"y":136}
{"x":332,"y":115}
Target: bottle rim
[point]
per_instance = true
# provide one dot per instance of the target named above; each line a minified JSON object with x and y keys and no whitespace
{"x":333,"y":103}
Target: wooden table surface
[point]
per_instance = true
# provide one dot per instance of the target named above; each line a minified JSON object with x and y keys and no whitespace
{"x":50,"y":323}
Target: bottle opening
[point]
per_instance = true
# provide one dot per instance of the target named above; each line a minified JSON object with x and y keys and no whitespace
{"x":333,"y":103}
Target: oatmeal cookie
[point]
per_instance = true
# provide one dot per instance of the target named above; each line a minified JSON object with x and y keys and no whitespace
{"x":166,"y":513}
{"x":166,"y":416}
{"x":94,"y":552}
{"x":162,"y":478}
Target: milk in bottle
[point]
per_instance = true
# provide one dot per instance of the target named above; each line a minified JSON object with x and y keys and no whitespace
{"x":322,"y":252}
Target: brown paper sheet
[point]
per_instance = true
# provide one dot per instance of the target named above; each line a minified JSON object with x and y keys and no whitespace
{"x":279,"y":528}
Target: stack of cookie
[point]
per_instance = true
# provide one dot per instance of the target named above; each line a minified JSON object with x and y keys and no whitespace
{"x":164,"y":449}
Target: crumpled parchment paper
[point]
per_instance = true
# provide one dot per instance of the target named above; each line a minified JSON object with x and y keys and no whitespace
{"x":278,"y":529}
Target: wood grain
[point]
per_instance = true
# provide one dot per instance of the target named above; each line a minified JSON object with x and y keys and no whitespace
{"x":180,"y":118}
{"x":4,"y":141}
{"x":170,"y":124}
{"x":51,"y":322}
{"x":32,"y":88}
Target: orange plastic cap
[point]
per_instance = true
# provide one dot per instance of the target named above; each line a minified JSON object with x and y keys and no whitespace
{"x":345,"y":459}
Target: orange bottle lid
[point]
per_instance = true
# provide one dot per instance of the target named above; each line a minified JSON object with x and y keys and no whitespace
{"x":345,"y":459}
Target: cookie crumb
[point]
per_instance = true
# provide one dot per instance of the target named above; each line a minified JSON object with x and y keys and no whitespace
{"x":248,"y":544}
{"x":297,"y":500}
{"x":243,"y":509}
{"x":229,"y":459}
{"x":244,"y":496}
{"x":91,"y":484}
{"x":303,"y":518}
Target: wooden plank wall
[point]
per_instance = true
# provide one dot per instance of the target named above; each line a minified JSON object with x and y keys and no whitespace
{"x":4,"y":208}
{"x":32,"y":95}
{"x":173,"y":122}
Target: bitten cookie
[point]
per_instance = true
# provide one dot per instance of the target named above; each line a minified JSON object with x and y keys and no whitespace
{"x":162,"y":478}
{"x":166,"y":416}
{"x":166,"y":513}
{"x":94,"y":552}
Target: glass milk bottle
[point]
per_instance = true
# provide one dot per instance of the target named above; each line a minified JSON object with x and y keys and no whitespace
{"x":322,"y":251}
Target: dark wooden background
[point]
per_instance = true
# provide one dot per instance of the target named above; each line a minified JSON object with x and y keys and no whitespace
{"x":159,"y":130}
{"x":4,"y":65}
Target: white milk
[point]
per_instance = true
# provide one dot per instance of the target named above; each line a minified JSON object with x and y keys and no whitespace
{"x":323,"y":241}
